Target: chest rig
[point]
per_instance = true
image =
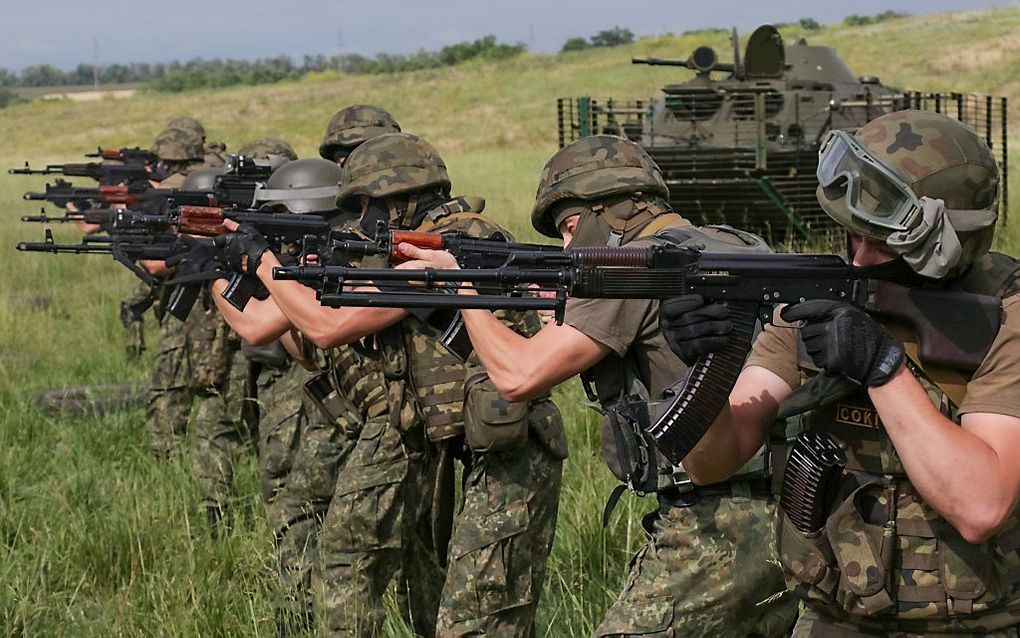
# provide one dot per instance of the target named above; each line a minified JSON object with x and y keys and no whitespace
{"x":430,"y":376}
{"x":884,"y":557}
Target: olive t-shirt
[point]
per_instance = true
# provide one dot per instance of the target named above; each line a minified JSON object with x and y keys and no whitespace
{"x":627,"y":325}
{"x":994,"y":388}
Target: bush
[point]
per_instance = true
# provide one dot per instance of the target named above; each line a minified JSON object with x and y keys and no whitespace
{"x":809,"y":24}
{"x":8,"y":97}
{"x":574,"y":44}
{"x":857,"y":20}
{"x":614,"y":37}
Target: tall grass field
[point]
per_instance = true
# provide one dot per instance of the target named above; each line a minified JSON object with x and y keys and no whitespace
{"x":99,"y":539}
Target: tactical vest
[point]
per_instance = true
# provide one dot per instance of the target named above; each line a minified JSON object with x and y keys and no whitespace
{"x":885,"y":559}
{"x":411,"y":349}
{"x":624,"y":396}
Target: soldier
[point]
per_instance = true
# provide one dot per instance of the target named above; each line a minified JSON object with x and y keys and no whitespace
{"x":299,"y":451}
{"x":169,"y":397}
{"x":919,"y":533}
{"x":215,"y":153}
{"x":440,"y":407}
{"x":705,"y":570}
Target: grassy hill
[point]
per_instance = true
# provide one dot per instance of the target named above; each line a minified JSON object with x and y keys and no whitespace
{"x":99,"y":539}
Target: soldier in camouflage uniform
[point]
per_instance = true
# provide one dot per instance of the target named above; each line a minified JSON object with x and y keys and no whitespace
{"x":215,"y":153}
{"x":170,"y":397}
{"x":439,"y":407}
{"x":705,"y":570}
{"x":919,"y":535}
{"x":350,"y":391}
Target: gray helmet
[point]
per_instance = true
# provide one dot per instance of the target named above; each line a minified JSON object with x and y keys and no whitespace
{"x":353,"y":125}
{"x":188,"y":124}
{"x":202,"y":180}
{"x":307,"y":185}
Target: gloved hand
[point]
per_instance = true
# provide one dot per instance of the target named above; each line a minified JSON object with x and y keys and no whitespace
{"x":245,"y":241}
{"x":200,"y":256}
{"x":845,"y":340}
{"x":693,"y":327}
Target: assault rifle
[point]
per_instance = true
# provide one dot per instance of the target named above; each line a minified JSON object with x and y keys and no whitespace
{"x":105,"y":174}
{"x":134,"y":155}
{"x":62,"y":192}
{"x":751,"y":284}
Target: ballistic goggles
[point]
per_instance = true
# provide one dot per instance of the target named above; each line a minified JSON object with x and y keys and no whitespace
{"x":875,"y":194}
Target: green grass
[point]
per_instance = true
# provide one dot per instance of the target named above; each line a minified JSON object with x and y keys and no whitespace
{"x":99,"y":539}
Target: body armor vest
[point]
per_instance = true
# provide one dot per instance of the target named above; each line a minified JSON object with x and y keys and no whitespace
{"x":885,"y":559}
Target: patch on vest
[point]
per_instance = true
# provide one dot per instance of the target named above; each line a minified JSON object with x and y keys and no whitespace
{"x":863,"y":416}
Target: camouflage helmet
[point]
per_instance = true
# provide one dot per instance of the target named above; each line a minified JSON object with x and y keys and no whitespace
{"x":390,"y":165}
{"x":353,"y":125}
{"x":593,"y":168}
{"x":313,"y":180}
{"x":264,"y":147}
{"x":276,"y":151}
{"x":202,"y":180}
{"x":937,"y":157}
{"x":178,"y":145}
{"x":188,"y":124}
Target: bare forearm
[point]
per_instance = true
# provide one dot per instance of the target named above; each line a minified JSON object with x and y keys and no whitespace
{"x":740,"y":428}
{"x":261,"y":321}
{"x":326,"y":327}
{"x":957,"y":472}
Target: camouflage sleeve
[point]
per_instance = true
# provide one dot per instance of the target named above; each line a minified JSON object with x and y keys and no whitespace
{"x":995,"y":387}
{"x":775,"y":349}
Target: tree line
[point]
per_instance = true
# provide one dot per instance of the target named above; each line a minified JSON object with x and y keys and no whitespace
{"x":217,"y":72}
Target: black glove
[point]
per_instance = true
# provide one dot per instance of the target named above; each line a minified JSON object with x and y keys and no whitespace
{"x":246,"y":240}
{"x":200,"y":256}
{"x":694,"y":327}
{"x":845,"y":340}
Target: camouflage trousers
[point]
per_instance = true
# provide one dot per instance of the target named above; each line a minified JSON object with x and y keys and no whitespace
{"x":705,"y":571}
{"x":812,"y":624}
{"x":299,"y":454}
{"x":169,"y":397}
{"x":218,"y":435}
{"x":378,"y":528}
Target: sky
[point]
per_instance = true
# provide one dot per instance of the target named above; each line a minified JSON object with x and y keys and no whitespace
{"x":65,"y":32}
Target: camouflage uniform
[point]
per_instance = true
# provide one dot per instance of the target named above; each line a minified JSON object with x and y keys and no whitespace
{"x":705,"y":570}
{"x":298,"y":457}
{"x":886,"y":562}
{"x":218,"y":377}
{"x":496,"y":556}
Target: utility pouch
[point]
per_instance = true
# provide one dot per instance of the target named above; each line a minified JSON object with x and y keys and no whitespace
{"x":864,"y":552}
{"x":628,"y":448}
{"x":491,"y":423}
{"x":807,"y":560}
{"x":546,"y":424}
{"x":967,"y":571}
{"x":333,"y":405}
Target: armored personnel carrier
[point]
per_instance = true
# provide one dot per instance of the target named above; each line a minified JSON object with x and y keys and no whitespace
{"x":738,"y":143}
